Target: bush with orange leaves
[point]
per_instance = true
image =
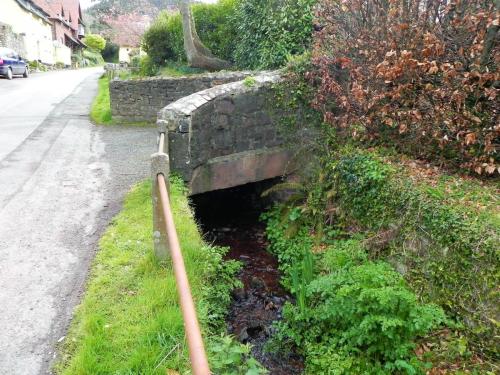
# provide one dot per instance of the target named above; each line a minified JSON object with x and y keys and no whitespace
{"x":421,"y":75}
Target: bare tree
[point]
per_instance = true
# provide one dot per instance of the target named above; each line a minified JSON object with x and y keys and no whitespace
{"x":198,"y":55}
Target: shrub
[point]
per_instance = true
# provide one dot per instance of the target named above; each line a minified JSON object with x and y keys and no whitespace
{"x":76,"y":59}
{"x":421,"y":75}
{"x":93,"y":57}
{"x":446,"y":248}
{"x":365,"y":178}
{"x":147,"y":67}
{"x":345,"y":254}
{"x":269,"y":31}
{"x":288,"y":239}
{"x":214,"y":24}
{"x":228,"y":356}
{"x":164,"y":40}
{"x":135,"y":61}
{"x":359,"y":317}
{"x":158,"y":41}
{"x":110,"y":52}
{"x":37,"y":65}
{"x":95,"y":42}
{"x":217,"y":292}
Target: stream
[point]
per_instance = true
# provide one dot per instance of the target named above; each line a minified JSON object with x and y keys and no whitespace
{"x":230,"y":218}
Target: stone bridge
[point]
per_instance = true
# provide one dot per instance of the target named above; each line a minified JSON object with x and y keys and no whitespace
{"x":226,"y":136}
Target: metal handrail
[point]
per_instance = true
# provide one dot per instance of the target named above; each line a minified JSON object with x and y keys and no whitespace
{"x":197,"y":354}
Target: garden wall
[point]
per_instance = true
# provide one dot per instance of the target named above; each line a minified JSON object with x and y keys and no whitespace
{"x":140,"y":100}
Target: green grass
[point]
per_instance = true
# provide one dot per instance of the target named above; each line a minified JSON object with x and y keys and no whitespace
{"x":129,"y":320}
{"x":170,"y":69}
{"x":100,"y":113}
{"x":249,"y":81}
{"x":173,"y":69}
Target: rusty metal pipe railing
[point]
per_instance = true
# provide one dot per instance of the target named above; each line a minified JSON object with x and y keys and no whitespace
{"x":197,"y":355}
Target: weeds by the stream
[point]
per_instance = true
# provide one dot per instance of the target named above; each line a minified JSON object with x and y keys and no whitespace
{"x":389,"y":245}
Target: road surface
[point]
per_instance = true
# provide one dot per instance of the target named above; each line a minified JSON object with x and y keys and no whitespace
{"x":61,"y":181}
{"x":24,"y":103}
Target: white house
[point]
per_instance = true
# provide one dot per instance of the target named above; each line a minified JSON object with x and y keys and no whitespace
{"x":26,"y":28}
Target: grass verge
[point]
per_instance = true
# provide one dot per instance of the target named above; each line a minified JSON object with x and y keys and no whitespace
{"x":129,"y":321}
{"x":100,"y":113}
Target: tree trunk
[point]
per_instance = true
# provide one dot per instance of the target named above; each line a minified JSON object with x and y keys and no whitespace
{"x":198,"y":55}
{"x":490,"y":39}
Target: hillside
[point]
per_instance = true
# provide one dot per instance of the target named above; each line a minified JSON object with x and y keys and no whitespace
{"x":142,"y":7}
{"x":105,"y":15}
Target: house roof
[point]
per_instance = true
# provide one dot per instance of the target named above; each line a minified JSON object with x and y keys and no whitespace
{"x":34,"y":8}
{"x":67,"y":11}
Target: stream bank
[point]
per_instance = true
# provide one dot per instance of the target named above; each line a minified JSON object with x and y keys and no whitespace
{"x":230,"y":218}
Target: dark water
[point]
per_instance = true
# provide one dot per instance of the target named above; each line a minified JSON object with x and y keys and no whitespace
{"x":231,"y":218}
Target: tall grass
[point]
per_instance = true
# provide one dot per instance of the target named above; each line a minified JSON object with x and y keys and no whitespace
{"x":100,"y":112}
{"x":129,"y":321}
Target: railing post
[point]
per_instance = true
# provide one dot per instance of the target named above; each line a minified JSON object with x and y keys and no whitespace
{"x":159,"y":165}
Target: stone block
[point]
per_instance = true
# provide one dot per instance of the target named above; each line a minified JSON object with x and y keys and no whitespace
{"x":225,"y":106}
{"x":178,"y":146}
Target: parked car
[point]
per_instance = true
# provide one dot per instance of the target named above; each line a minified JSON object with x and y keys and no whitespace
{"x":12,"y":64}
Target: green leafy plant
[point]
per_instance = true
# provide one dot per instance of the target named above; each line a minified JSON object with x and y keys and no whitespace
{"x":110,"y":52}
{"x":360,"y":183}
{"x":302,"y":273}
{"x":229,"y":357}
{"x":147,"y":67}
{"x":95,"y":42}
{"x":161,"y":40}
{"x":217,"y":292}
{"x":164,"y":40}
{"x":249,"y":81}
{"x":343,"y":254}
{"x":443,"y":243}
{"x":93,"y":58}
{"x":287,"y":240}
{"x":268,"y":32}
{"x":365,"y":312}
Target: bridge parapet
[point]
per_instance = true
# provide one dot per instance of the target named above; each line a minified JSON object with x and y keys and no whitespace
{"x":226,"y":136}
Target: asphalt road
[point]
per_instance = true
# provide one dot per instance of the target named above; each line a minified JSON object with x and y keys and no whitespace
{"x":61,"y":181}
{"x":24,"y":103}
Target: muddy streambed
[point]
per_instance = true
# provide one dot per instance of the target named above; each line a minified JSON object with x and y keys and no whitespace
{"x":231,"y":218}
